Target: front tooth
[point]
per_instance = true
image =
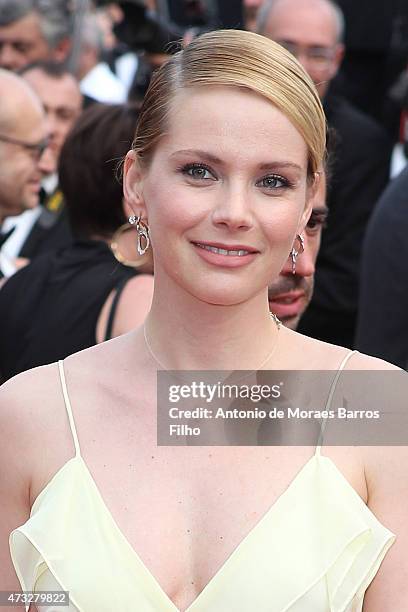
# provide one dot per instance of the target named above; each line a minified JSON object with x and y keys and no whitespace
{"x":222,"y":251}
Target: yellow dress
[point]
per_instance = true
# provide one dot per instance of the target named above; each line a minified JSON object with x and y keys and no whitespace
{"x":315,"y":550}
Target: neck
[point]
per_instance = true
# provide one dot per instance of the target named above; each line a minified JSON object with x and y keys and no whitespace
{"x":194,"y":335}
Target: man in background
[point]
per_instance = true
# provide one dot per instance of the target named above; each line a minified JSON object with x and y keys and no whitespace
{"x":60,"y":95}
{"x":313,"y":31}
{"x":33,"y":30}
{"x":45,"y":227}
{"x":290,"y":294}
{"x":23,"y":144}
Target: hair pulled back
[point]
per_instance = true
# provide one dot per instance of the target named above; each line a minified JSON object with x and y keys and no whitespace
{"x":240,"y":59}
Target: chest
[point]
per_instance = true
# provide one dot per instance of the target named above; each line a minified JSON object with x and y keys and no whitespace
{"x":186,"y":512}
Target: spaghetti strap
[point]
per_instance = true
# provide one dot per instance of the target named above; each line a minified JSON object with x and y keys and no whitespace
{"x":68,"y":408}
{"x":330,"y":397}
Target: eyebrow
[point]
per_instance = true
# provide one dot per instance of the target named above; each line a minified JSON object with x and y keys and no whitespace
{"x":320,"y":210}
{"x":216,"y":160}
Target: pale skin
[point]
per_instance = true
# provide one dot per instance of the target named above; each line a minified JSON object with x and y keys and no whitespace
{"x":180,"y":500}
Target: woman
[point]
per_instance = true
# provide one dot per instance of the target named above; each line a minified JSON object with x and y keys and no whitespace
{"x":62,"y":303}
{"x":223,"y":170}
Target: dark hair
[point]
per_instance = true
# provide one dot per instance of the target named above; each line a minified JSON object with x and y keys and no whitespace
{"x":57,"y":70}
{"x":88,"y":168}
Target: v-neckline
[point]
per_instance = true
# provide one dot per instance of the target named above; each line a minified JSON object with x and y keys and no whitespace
{"x":235,"y":552}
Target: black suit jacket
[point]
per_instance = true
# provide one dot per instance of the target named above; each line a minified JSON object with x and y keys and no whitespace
{"x":382,"y":328}
{"x":50,"y":232}
{"x":360,"y":172}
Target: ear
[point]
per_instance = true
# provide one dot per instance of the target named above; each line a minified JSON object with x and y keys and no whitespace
{"x":132,"y":186}
{"x":311,"y":190}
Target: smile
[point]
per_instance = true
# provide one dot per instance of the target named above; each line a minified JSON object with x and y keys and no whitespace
{"x":206,"y":247}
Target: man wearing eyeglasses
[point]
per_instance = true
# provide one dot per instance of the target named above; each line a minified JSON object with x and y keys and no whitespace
{"x":313,"y":30}
{"x":23,"y":147}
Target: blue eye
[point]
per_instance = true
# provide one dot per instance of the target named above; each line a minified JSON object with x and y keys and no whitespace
{"x":273,"y":181}
{"x":198,"y":172}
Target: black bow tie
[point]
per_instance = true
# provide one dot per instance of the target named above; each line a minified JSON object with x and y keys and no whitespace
{"x":6,"y":235}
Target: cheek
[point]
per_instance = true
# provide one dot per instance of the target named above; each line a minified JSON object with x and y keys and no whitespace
{"x":26,"y":168}
{"x":63,"y":128}
{"x":171,"y":210}
{"x":13,"y":177}
{"x":281,"y":224}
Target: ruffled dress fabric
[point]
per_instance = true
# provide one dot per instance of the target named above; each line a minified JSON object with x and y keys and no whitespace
{"x":316,"y":550}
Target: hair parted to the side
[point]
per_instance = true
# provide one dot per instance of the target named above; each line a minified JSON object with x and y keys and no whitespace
{"x":240,"y":59}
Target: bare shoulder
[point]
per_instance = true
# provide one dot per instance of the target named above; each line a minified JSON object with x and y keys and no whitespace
{"x":25,"y":402}
{"x":33,"y":418}
{"x":322,"y":355}
{"x":360,"y":361}
{"x":27,"y":423}
{"x":386,"y":474}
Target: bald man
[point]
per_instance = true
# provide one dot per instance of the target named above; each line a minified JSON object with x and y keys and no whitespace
{"x":313,"y":30}
{"x":23,"y":142}
{"x":24,"y":156}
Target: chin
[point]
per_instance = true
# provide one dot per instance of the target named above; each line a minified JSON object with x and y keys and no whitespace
{"x":219,"y":296}
{"x":30,"y":202}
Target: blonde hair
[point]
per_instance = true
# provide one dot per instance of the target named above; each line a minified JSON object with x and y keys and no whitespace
{"x":239,"y":59}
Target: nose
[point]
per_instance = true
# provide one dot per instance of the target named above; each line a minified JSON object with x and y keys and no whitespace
{"x":232,"y":210}
{"x":51,"y":124}
{"x":47,"y":164}
{"x":305,"y":262}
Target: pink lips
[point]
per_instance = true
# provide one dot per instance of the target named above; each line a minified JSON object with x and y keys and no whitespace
{"x":223,"y":260}
{"x":287,"y":305}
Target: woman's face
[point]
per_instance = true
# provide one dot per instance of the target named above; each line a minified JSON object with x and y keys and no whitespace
{"x":224,"y":194}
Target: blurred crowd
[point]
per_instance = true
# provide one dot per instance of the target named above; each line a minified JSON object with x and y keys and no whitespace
{"x":73,"y":74}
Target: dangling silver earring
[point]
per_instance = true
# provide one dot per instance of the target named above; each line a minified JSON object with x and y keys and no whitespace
{"x":143,"y":240}
{"x":294,"y":253}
